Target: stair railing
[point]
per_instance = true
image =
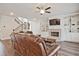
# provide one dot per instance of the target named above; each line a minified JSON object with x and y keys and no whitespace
{"x":21,"y":27}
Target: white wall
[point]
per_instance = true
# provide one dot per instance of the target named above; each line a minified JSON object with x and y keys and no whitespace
{"x":70,"y":36}
{"x":44,"y":25}
{"x":36,"y":27}
{"x":65,"y":28}
{"x":7,"y":24}
{"x":10,"y":24}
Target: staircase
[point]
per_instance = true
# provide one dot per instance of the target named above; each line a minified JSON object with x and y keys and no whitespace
{"x":23,"y":25}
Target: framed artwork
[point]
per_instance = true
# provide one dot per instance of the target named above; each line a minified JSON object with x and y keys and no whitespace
{"x":44,"y":27}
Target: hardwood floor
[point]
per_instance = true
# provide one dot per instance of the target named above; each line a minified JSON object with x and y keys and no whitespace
{"x":67,"y":48}
{"x":6,"y":48}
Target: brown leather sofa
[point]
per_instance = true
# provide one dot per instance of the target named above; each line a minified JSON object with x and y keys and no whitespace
{"x":31,"y":45}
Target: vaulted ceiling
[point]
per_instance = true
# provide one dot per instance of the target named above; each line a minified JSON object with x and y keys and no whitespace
{"x":28,"y":10}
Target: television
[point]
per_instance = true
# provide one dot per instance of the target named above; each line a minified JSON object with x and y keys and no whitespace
{"x":54,"y":22}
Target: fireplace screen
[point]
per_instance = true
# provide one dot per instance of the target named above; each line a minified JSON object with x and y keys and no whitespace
{"x":55,"y":34}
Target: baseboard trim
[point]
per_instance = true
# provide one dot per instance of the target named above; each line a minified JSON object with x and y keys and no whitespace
{"x":72,"y":42}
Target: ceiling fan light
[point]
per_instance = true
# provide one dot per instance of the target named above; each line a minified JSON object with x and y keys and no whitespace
{"x":42,"y":11}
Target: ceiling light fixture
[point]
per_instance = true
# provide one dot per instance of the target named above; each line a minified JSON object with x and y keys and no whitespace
{"x":11,"y":13}
{"x":42,"y":11}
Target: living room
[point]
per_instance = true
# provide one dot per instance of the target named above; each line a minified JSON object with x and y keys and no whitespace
{"x":57,"y":21}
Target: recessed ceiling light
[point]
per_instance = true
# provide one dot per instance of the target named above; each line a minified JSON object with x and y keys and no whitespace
{"x":11,"y":13}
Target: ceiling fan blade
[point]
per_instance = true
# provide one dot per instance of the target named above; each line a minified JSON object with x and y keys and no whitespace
{"x":38,"y":7}
{"x":47,"y":11}
{"x":47,"y":8}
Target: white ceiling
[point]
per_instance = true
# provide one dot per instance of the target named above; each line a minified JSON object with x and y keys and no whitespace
{"x":28,"y":9}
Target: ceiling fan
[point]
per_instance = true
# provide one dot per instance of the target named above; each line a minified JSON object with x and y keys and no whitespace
{"x":43,"y":10}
